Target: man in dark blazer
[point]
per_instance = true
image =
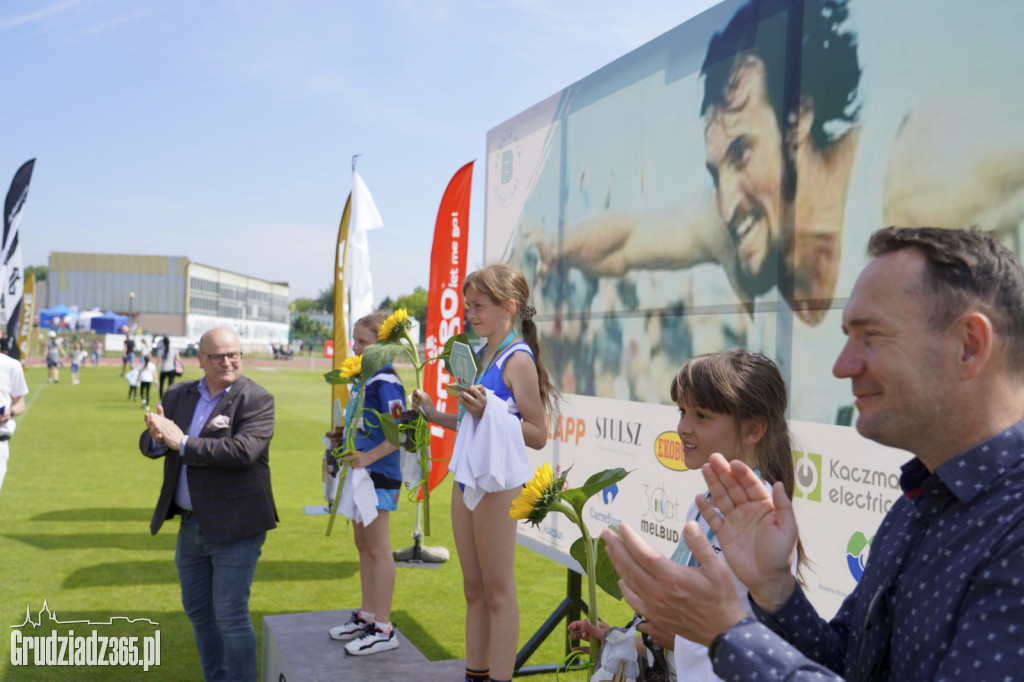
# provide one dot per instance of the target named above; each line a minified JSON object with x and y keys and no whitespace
{"x":214,"y":436}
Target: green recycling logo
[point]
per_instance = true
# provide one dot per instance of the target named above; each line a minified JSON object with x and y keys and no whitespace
{"x":857,"y":551}
{"x":807,"y":479}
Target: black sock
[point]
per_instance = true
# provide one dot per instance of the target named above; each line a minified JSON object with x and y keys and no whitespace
{"x":477,"y":675}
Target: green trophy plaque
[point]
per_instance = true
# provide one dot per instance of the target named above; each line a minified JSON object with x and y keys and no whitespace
{"x":464,"y":367}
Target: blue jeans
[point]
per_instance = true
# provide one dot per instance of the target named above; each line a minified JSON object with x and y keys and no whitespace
{"x":215,"y":581}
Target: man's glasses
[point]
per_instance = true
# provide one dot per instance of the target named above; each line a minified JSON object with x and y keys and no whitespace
{"x":218,"y":358}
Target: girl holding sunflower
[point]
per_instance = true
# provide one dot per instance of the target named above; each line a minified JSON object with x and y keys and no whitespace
{"x":370,"y":627}
{"x":512,"y":379}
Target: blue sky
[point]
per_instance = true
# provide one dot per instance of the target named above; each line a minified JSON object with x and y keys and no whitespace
{"x":224,"y":130}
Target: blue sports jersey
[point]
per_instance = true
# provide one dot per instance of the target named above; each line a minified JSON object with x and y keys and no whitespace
{"x":385,"y":394}
{"x":493,"y":377}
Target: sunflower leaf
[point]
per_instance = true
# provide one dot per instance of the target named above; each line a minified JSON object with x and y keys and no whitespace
{"x":377,"y":356}
{"x":577,"y":497}
{"x":334,"y":377}
{"x":607,"y":578}
{"x":389,"y":427}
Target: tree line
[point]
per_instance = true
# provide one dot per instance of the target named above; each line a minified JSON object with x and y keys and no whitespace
{"x":308,"y":328}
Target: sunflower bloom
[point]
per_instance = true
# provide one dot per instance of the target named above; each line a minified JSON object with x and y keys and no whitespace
{"x":534,"y":503}
{"x":393,"y":327}
{"x":351,"y":367}
{"x":544,"y":494}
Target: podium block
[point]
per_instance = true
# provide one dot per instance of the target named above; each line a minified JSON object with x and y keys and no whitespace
{"x":296,"y":648}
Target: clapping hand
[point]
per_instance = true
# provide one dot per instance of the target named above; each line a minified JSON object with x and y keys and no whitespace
{"x":756,"y":529}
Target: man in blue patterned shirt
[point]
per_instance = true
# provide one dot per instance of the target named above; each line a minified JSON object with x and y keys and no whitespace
{"x":935,"y":355}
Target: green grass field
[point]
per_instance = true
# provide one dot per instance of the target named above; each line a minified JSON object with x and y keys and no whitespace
{"x":75,"y":510}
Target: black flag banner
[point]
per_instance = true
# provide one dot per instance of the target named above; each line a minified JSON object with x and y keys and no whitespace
{"x":11,"y":270}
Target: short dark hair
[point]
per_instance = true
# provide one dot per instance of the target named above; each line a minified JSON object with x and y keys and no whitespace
{"x":966,"y":269}
{"x":829,"y":73}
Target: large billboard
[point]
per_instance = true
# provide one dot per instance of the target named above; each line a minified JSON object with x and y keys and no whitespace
{"x":715,"y":189}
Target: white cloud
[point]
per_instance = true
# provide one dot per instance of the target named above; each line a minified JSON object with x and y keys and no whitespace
{"x":103,"y":28}
{"x":38,"y":15}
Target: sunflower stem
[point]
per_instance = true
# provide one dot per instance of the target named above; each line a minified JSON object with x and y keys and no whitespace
{"x":410,"y":351}
{"x":342,"y":472}
{"x":350,"y":447}
{"x":589,"y":547}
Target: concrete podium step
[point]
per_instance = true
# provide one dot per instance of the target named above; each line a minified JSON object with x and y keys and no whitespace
{"x":296,"y":648}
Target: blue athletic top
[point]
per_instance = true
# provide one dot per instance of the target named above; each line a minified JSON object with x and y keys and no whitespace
{"x":385,"y":394}
{"x":492,"y":379}
{"x":492,"y":376}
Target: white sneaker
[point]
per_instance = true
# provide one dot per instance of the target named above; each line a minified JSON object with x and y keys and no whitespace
{"x":373,"y":641}
{"x":350,"y":630}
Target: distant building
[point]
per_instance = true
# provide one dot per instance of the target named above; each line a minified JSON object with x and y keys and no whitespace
{"x":42,"y":289}
{"x":323,"y":317}
{"x":172,"y":295}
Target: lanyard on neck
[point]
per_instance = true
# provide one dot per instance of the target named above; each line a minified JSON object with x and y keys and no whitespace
{"x":509,"y":340}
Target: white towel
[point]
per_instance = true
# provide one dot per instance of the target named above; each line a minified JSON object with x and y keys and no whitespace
{"x":7,"y":428}
{"x":619,"y":649}
{"x":490,"y":454}
{"x":358,"y":497}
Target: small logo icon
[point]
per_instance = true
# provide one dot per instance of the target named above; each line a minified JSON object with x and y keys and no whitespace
{"x":43,"y":639}
{"x":807,"y":467}
{"x":857,"y":551}
{"x":609,"y":494}
{"x":506,"y":166}
{"x":668,"y":448}
{"x":660,"y":506}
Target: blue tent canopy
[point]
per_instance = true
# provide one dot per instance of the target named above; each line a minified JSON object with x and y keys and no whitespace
{"x":51,"y":317}
{"x":108,"y":323}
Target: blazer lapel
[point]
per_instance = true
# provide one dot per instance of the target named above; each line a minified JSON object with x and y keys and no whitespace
{"x":188,"y":407}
